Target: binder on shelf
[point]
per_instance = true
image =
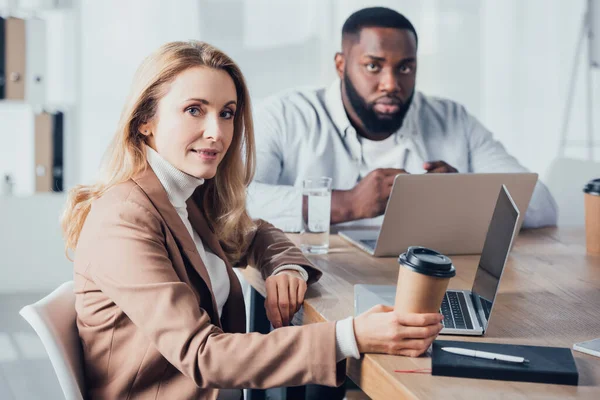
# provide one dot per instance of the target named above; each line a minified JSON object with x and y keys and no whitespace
{"x":49,"y":152}
{"x":14,"y":42}
{"x":24,"y":58}
{"x":43,"y":152}
{"x":58,"y":151}
{"x":35,"y":61}
{"x":2,"y":58}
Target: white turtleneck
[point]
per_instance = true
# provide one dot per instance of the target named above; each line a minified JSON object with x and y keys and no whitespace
{"x":180,"y":187}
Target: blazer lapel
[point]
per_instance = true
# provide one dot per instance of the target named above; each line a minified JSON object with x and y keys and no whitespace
{"x":234,"y":311}
{"x":148,"y":181}
{"x":200,"y":225}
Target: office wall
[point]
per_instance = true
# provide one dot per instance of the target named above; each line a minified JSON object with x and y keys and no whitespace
{"x":16,"y":152}
{"x":528,"y":53}
{"x":115,"y":37}
{"x":33,"y":257}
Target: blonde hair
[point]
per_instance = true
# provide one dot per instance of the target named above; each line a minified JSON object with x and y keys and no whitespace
{"x":224,"y":195}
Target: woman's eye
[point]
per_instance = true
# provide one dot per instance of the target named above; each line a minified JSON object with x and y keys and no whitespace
{"x":194,"y":111}
{"x":227,"y":114}
{"x":372,"y":67}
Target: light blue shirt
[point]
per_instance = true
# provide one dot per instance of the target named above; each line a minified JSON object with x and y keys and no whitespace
{"x":307,"y":133}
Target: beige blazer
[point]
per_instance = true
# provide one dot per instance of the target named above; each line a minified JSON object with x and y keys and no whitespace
{"x":147,"y":316}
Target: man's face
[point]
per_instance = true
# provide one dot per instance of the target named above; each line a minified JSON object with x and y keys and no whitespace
{"x":378,"y":71}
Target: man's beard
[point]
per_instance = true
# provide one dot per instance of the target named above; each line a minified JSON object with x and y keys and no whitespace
{"x":374,"y":123}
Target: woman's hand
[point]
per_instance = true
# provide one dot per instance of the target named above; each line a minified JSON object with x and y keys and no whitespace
{"x":380,"y":330}
{"x":285,"y":295}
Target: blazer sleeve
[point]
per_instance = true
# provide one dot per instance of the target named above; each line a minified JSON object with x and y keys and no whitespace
{"x":130,"y":264}
{"x":270,"y":248}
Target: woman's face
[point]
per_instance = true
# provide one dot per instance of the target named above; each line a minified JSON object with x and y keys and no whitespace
{"x":193,"y":125}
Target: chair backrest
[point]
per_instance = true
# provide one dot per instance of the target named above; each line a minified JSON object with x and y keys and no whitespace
{"x":566,"y":178}
{"x":54,"y":320}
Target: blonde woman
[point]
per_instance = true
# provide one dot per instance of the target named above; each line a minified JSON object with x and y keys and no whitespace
{"x":160,"y":311}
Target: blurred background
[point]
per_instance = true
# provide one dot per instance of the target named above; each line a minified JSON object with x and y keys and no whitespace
{"x":522,"y":67}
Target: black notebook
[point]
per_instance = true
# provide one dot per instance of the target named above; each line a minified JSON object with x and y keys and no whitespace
{"x":546,"y":364}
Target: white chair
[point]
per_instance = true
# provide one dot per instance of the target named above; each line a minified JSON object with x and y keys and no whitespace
{"x":53,"y":319}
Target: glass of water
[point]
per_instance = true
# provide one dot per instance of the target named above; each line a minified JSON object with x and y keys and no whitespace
{"x":316,"y":214}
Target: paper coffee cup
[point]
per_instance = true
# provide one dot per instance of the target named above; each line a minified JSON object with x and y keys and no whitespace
{"x":592,"y":216}
{"x":423,"y":278}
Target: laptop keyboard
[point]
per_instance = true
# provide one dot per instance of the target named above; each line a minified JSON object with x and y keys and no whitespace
{"x":455,"y":312}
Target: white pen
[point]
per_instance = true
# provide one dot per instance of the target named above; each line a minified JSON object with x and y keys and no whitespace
{"x":485,"y":354}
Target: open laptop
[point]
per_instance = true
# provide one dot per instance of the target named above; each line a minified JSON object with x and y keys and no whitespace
{"x":446,"y":212}
{"x":466,"y":312}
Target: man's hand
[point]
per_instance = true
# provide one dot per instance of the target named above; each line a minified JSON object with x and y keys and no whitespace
{"x":285,"y":295}
{"x":367,"y":199}
{"x":439,"y":167}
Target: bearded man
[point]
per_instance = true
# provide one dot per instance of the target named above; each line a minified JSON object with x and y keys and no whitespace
{"x":367,"y":127}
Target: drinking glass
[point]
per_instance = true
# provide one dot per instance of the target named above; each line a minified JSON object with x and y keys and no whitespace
{"x":316,"y":214}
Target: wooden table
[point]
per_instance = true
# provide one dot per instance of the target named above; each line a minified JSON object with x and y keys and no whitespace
{"x":549,"y":296}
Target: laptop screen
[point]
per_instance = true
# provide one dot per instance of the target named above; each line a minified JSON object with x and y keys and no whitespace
{"x":494,"y":254}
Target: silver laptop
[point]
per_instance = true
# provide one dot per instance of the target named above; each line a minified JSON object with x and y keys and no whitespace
{"x":466,"y":312}
{"x":446,"y":212}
